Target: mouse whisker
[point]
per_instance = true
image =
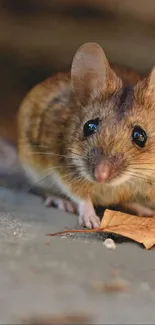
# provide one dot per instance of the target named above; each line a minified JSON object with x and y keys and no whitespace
{"x":71,"y":173}
{"x":141,"y":163}
{"x":145,"y":177}
{"x":34,"y":146}
{"x":48,"y":153}
{"x":45,"y":176}
{"x":140,"y":176}
{"x":76,"y":154}
{"x":145,"y":169}
{"x":45,"y":147}
{"x":136,"y":174}
{"x":130,"y":180}
{"x":61,"y":166}
{"x":54,"y":155}
{"x":143,"y":172}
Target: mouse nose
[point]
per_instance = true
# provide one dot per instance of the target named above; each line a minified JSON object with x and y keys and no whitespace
{"x":103,"y":172}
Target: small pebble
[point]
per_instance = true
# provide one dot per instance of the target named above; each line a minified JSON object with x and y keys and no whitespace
{"x":15,"y":233}
{"x":109,"y":243}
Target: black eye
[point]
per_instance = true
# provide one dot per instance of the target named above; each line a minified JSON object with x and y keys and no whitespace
{"x":90,"y":127}
{"x":139,"y":136}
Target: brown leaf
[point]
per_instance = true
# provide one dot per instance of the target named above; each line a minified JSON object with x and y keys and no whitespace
{"x":69,"y":231}
{"x":139,"y":229}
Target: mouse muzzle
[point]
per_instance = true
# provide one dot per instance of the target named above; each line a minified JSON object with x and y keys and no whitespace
{"x":105,"y":167}
{"x":104,"y":171}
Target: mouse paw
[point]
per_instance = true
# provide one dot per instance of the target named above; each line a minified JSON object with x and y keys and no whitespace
{"x":60,"y":203}
{"x":87,"y":216}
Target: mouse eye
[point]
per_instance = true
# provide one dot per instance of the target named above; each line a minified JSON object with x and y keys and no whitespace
{"x":90,"y":127}
{"x":139,"y":136}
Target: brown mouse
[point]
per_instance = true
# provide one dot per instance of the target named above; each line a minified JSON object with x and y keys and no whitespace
{"x":87,"y":138}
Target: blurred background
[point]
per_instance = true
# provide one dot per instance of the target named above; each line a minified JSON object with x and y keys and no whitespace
{"x":40,"y":37}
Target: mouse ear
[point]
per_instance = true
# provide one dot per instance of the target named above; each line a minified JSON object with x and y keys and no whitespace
{"x":91,"y":74}
{"x":145,"y":89}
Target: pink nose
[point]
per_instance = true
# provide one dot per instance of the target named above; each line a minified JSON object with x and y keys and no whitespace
{"x":102,"y":172}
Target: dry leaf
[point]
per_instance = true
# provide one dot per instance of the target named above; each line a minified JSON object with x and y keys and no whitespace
{"x":139,"y":229}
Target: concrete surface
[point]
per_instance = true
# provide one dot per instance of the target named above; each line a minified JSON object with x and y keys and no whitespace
{"x":42,"y":276}
{"x":44,"y":280}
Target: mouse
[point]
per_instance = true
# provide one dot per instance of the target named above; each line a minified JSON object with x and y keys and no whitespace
{"x":86,"y":138}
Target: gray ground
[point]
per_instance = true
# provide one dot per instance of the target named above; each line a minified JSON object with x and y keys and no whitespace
{"x":48,"y":277}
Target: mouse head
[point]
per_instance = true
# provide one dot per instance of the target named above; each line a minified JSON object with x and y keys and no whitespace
{"x":112,"y":123}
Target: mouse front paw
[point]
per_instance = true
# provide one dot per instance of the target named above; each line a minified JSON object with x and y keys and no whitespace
{"x":62,"y":204}
{"x":87,"y":216}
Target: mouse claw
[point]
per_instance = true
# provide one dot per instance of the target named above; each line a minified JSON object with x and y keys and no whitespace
{"x":87,"y":216}
{"x":91,"y":221}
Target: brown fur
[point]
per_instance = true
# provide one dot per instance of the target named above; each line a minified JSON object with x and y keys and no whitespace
{"x":51,"y":120}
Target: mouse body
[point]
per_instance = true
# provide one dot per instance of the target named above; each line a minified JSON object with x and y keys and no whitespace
{"x":85,"y":138}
